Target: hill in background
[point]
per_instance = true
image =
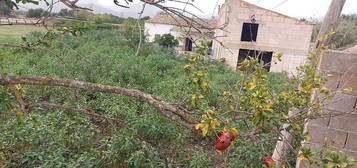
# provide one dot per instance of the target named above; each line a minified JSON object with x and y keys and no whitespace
{"x":97,"y":8}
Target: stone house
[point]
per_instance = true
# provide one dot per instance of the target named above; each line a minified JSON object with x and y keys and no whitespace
{"x":187,"y":36}
{"x":250,"y":30}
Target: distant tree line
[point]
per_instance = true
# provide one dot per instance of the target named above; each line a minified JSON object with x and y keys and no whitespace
{"x":104,"y":18}
{"x":345,"y":35}
{"x":79,"y":14}
{"x":4,"y":9}
{"x":35,"y":13}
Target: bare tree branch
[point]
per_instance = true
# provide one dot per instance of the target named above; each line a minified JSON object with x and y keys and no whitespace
{"x":180,"y":116}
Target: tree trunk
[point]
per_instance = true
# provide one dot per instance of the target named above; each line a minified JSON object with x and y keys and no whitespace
{"x":330,"y":21}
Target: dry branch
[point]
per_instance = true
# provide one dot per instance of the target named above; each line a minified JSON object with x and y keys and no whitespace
{"x":178,"y":114}
{"x":163,"y":107}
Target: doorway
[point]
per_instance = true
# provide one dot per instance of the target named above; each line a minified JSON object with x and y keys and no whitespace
{"x":188,"y":44}
{"x":264,"y":56}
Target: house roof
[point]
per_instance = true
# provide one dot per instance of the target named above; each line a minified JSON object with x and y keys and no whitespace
{"x":249,"y":5}
{"x":164,"y":18}
{"x":352,"y":50}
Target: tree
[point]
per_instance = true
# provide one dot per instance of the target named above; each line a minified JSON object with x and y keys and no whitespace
{"x":167,"y":40}
{"x":5,"y":10}
{"x":35,"y":13}
{"x":65,"y":12}
{"x":146,"y":18}
{"x":131,"y":33}
{"x":329,"y":23}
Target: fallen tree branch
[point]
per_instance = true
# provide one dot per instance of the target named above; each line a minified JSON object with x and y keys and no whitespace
{"x":19,"y":99}
{"x":74,"y":109}
{"x":180,"y":116}
{"x":177,"y":114}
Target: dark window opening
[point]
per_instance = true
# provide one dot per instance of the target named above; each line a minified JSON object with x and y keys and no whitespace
{"x":264,"y":56}
{"x":188,"y":44}
{"x":249,"y":32}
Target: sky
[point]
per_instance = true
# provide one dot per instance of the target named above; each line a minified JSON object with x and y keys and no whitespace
{"x":294,"y":8}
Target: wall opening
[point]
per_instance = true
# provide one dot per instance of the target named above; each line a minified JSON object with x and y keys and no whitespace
{"x":188,"y":44}
{"x":264,"y":56}
{"x":249,"y":32}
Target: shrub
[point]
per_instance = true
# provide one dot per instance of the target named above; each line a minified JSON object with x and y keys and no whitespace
{"x":66,"y":12}
{"x":167,"y":40}
{"x":35,"y":13}
{"x":132,"y":33}
{"x":59,"y":138}
{"x":5,"y":10}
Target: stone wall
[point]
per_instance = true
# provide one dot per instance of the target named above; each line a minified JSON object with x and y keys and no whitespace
{"x":338,"y":129}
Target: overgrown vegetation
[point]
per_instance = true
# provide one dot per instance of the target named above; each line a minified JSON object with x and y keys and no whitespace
{"x":132,"y":133}
{"x":345,"y":34}
{"x":57,"y":138}
{"x":167,"y":96}
{"x":5,"y":10}
{"x":166,"y":40}
{"x":97,"y":18}
{"x":35,"y":13}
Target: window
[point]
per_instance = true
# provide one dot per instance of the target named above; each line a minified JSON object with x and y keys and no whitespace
{"x":264,"y":56}
{"x":249,"y":32}
{"x":188,"y":44}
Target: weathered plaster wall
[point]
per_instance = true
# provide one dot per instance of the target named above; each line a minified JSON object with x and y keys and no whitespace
{"x":338,"y":128}
{"x":152,"y":29}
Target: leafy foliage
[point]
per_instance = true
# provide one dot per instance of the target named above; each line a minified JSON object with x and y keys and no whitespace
{"x":99,"y":143}
{"x":167,"y":40}
{"x":65,"y":12}
{"x":97,"y":18}
{"x":345,"y":34}
{"x":132,"y":33}
{"x":14,"y":4}
{"x":35,"y":13}
{"x":252,"y":101}
{"x":5,"y":10}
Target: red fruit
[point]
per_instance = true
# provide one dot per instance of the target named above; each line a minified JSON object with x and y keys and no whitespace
{"x":268,"y":160}
{"x":224,"y":140}
{"x":233,"y":136}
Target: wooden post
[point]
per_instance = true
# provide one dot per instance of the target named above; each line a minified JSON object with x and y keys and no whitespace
{"x":330,"y":20}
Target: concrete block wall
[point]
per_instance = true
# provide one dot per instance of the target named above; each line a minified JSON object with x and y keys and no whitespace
{"x":339,"y":127}
{"x":276,"y":33}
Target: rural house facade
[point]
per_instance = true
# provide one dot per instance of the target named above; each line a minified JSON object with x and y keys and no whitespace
{"x":250,"y":30}
{"x":164,"y":23}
